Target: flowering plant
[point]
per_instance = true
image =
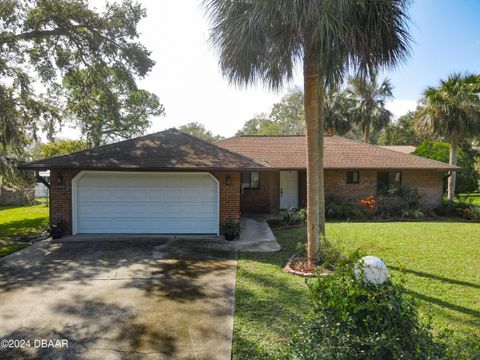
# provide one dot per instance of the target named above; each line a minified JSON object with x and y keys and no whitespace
{"x":369,"y":205}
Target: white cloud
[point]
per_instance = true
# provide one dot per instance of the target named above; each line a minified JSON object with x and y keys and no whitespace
{"x":400,"y":107}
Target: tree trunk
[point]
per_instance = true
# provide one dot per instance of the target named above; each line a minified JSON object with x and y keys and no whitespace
{"x":321,"y":183}
{"x":453,"y":161}
{"x":310,"y":73}
{"x":367,"y":133}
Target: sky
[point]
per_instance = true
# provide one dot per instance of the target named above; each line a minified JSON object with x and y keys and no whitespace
{"x":188,"y":81}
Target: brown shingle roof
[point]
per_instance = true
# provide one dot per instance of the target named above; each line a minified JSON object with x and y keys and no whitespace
{"x":167,"y":150}
{"x":406,"y":149}
{"x":288,"y":152}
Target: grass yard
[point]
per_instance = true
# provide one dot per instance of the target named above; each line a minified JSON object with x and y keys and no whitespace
{"x":474,"y":198}
{"x":17,"y":221}
{"x":440,"y":263}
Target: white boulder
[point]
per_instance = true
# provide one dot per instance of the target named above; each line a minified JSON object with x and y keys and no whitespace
{"x":371,"y":269}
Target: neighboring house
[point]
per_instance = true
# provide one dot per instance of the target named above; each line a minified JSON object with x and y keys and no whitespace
{"x":41,"y":190}
{"x":406,"y":149}
{"x":174,"y":183}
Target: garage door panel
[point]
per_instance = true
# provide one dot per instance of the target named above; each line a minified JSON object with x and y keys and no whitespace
{"x":147,"y":203}
{"x":150,"y":194}
{"x":114,"y":210}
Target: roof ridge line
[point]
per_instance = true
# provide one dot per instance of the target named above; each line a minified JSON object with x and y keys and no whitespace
{"x":98,"y":147}
{"x":219,"y":147}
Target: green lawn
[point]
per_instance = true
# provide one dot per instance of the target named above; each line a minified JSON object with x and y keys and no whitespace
{"x":474,"y":197}
{"x":440,"y":264}
{"x":16,"y":221}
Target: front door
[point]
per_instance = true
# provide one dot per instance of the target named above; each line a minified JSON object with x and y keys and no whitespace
{"x":288,"y":189}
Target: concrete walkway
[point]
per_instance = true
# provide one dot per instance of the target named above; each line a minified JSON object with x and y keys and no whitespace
{"x":256,"y":235}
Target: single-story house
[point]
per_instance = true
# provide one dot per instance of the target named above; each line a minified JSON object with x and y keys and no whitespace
{"x":174,"y":183}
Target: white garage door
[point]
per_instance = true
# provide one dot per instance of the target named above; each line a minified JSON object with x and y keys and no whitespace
{"x":149,"y":203}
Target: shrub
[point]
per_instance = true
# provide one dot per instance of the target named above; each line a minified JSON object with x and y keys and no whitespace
{"x":355,"y":320}
{"x":231,"y":229}
{"x":294,"y":216}
{"x":413,"y":214}
{"x":337,"y":208}
{"x":461,"y":209}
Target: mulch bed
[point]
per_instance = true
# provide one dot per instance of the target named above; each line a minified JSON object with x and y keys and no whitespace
{"x":299,"y":265}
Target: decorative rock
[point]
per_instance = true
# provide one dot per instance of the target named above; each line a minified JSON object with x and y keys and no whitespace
{"x":372,"y":269}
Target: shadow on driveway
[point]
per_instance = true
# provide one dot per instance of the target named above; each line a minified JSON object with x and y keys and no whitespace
{"x":135,"y":299}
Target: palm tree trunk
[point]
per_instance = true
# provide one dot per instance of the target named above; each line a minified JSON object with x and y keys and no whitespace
{"x":310,"y":74}
{"x":453,"y":161}
{"x":321,"y":183}
{"x":367,"y":133}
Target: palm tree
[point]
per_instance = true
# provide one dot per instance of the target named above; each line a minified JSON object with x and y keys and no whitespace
{"x":369,"y":110}
{"x":263,"y":41}
{"x":451,"y":111}
{"x":338,"y":111}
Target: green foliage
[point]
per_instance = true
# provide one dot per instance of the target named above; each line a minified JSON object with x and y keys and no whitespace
{"x":106,"y":104}
{"x":286,"y":118}
{"x":270,"y":303}
{"x":466,"y":210}
{"x":416,"y":214}
{"x":264,"y":41}
{"x":61,"y":147}
{"x":338,"y":110}
{"x":231,"y":229}
{"x":198,"y":130}
{"x":352,"y":319}
{"x":369,"y":96}
{"x":294,"y":216}
{"x":467,"y":179}
{"x":451,"y":110}
{"x":59,"y":46}
{"x":400,"y":132}
{"x":337,"y":208}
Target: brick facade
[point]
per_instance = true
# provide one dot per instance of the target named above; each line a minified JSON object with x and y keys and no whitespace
{"x":229,"y":195}
{"x":430,"y":184}
{"x":61,"y":197}
{"x":266,"y":199}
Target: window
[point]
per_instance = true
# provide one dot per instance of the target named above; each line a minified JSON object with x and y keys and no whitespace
{"x":388,"y":181}
{"x":353,"y":177}
{"x":251,"y":180}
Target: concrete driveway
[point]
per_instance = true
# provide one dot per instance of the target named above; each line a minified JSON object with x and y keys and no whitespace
{"x":118,"y":299}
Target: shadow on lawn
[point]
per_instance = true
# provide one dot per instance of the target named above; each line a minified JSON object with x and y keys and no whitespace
{"x":22,"y":227}
{"x":436,"y":277}
{"x":459,"y":308}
